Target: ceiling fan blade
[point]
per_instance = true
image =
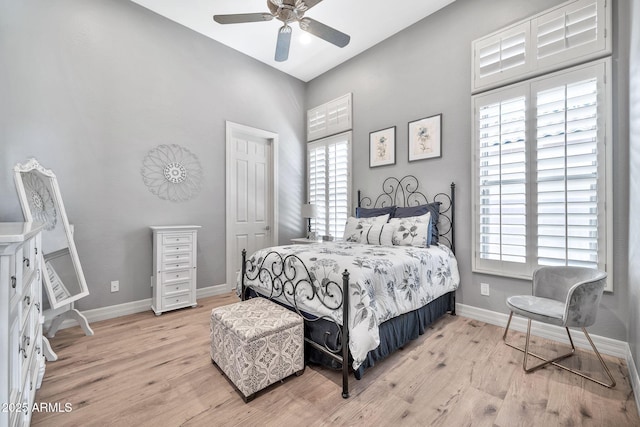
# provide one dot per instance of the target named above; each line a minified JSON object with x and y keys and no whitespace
{"x":325,"y":32}
{"x":240,"y":18}
{"x":284,"y":41}
{"x":310,"y":3}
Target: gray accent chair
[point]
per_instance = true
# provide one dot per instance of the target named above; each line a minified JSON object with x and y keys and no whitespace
{"x":562,"y":296}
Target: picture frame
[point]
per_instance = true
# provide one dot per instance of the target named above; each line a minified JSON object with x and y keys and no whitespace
{"x":382,"y":147}
{"x":425,"y":138}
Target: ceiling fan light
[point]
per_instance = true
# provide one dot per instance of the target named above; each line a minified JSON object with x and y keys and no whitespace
{"x":305,"y":38}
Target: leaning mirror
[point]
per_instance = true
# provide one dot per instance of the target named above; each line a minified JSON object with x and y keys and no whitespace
{"x":41,"y":201}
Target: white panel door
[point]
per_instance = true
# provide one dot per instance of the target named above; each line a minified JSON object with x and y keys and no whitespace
{"x":251,"y":206}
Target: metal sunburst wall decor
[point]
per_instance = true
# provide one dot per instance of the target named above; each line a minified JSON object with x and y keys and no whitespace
{"x":40,"y":201}
{"x":172,"y":172}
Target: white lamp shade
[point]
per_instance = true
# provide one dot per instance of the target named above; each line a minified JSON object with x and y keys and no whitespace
{"x":309,"y":210}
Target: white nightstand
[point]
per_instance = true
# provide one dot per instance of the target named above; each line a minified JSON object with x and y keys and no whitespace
{"x":304,"y":240}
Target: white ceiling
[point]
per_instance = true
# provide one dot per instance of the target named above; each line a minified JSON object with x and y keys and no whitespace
{"x":368,"y":22}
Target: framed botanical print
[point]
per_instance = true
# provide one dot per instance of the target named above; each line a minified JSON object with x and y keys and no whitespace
{"x":382,"y":147}
{"x":425,"y":138}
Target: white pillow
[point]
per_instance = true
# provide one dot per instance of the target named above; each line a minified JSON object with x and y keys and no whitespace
{"x":411,"y":231}
{"x":378,"y":234}
{"x":355,"y":226}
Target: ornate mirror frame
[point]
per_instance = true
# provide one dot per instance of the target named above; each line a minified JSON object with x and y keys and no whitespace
{"x":41,"y":201}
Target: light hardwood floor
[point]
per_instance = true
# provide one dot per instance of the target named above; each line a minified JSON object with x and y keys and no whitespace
{"x":143,"y":370}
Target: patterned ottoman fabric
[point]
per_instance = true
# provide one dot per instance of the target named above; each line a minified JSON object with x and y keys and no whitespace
{"x":256,"y":343}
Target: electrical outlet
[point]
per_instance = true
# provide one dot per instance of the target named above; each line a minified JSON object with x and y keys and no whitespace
{"x":484,"y":289}
{"x":115,"y":286}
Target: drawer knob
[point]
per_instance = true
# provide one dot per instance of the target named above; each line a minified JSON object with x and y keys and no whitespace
{"x":27,"y":299}
{"x":26,"y":261}
{"x":38,"y":306}
{"x":23,"y":351}
{"x":177,"y":275}
{"x":36,"y":251}
{"x":26,"y":340}
{"x":13,"y":282}
{"x":38,"y":350}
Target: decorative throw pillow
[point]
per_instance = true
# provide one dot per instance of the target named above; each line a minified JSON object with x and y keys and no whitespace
{"x":412,"y":231}
{"x":355,"y":226}
{"x":378,"y":234}
{"x":371,"y":212}
{"x":411,"y":211}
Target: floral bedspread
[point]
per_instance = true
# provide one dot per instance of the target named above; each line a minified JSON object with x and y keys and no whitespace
{"x":384,"y":282}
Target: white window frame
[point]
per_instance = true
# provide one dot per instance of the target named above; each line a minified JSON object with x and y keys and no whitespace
{"x":600,"y":67}
{"x":326,"y":142}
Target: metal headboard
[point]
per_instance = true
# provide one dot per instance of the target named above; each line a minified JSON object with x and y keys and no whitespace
{"x":404,"y":192}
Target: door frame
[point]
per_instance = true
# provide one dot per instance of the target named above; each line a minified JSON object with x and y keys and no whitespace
{"x":232,"y":127}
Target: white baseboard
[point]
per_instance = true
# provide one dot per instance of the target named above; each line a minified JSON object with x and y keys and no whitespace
{"x":112,"y":311}
{"x":634,"y":376}
{"x":605,"y":345}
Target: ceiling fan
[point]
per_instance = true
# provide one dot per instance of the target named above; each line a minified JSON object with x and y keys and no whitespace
{"x":289,"y":11}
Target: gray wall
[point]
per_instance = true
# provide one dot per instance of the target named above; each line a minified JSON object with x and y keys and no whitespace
{"x":89,"y":87}
{"x":426,"y":70}
{"x":634,"y":185}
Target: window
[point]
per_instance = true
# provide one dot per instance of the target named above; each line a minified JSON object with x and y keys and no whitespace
{"x":569,"y":34}
{"x":540,"y":152}
{"x":329,"y":180}
{"x":329,"y":118}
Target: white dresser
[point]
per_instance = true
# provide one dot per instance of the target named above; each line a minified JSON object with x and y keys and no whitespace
{"x":174,"y":267}
{"x":22,"y":361}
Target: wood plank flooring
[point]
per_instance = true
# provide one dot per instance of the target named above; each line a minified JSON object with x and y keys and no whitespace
{"x":143,"y":370}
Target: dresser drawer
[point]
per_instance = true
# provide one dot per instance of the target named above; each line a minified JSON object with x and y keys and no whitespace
{"x":173,"y":301}
{"x":176,"y":288}
{"x":172,"y":239}
{"x":29,"y":252}
{"x":175,"y":276}
{"x":176,"y":249}
{"x":25,"y":347}
{"x":176,"y":257}
{"x":176,"y":265}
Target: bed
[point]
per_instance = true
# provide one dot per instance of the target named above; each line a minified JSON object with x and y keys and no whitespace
{"x":395,"y":291}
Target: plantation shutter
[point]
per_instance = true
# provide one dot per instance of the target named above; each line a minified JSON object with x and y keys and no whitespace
{"x":330,"y":118}
{"x":568,"y":34}
{"x":502,"y":180}
{"x":330,"y":184}
{"x":501,"y":56}
{"x":568,"y":172}
{"x":317,"y":184}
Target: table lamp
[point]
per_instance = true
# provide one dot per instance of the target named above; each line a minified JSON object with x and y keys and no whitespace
{"x":309,"y":210}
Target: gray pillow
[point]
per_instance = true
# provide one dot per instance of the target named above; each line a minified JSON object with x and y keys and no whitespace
{"x":371,"y":212}
{"x":434,"y":208}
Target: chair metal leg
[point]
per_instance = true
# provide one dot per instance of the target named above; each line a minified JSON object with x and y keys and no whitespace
{"x":555,"y":360}
{"x":527,"y":353}
{"x":612,"y":382}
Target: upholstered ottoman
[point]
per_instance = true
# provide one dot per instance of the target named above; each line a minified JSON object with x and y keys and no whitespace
{"x":256,"y":343}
